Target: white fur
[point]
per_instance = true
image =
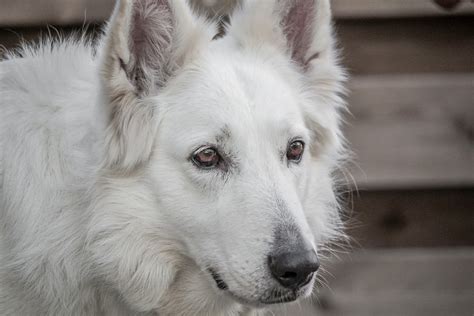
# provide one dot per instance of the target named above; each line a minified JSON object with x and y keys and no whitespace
{"x":101,"y":211}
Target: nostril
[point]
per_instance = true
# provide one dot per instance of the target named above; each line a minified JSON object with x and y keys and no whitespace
{"x":289,"y":275}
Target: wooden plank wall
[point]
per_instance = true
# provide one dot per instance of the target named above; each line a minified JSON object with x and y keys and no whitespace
{"x":412,"y":218}
{"x":407,"y":45}
{"x":411,"y":98}
{"x":363,"y":9}
{"x":403,"y":282}
{"x":412,"y":131}
{"x":67,"y":12}
{"x":412,"y":126}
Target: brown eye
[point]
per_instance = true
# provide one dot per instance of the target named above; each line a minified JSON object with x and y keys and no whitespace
{"x":295,"y":151}
{"x":206,"y":158}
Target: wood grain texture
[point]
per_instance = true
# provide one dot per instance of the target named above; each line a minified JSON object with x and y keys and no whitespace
{"x":395,"y":8}
{"x":67,"y":12}
{"x":57,"y":12}
{"x":400,"y":282}
{"x":412,"y":218}
{"x":399,"y":46}
{"x":412,"y":130}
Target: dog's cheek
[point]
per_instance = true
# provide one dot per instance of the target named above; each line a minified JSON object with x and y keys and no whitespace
{"x":130,"y":244}
{"x":141,"y":277}
{"x":320,"y":204}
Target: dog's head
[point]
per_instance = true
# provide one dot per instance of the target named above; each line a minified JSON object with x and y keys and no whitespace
{"x":236,"y":138}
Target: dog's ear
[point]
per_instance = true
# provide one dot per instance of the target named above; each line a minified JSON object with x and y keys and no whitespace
{"x":306,"y":25}
{"x":302,"y":29}
{"x":146,"y":43}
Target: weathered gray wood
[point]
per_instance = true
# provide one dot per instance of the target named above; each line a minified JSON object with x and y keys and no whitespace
{"x":67,"y":12}
{"x":420,"y":218}
{"x":412,"y":131}
{"x":401,"y":282}
{"x":416,"y":282}
{"x":57,"y":12}
{"x":395,"y":8}
{"x":399,"y":46}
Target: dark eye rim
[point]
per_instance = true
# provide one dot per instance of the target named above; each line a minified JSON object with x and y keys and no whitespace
{"x":199,"y":164}
{"x":300,"y":157}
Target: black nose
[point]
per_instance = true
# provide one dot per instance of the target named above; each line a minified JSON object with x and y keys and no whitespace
{"x":294,"y":269}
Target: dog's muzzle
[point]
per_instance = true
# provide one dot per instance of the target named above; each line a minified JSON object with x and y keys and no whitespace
{"x":292,"y":261}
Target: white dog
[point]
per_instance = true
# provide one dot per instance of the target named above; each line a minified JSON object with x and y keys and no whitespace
{"x":164,"y":172}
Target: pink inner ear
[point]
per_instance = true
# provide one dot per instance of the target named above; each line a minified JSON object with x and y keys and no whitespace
{"x":298,"y":28}
{"x":149,"y":41}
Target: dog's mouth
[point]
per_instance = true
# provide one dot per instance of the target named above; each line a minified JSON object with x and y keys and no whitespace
{"x":278,"y":297}
{"x":286,"y":298}
{"x":275,"y":297}
{"x":221,"y":285}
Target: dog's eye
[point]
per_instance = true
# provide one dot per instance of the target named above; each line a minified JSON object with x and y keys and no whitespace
{"x":206,"y":158}
{"x":295,"y":151}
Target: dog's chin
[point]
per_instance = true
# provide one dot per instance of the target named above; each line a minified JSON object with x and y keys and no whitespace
{"x":277,"y":295}
{"x":288,"y":297}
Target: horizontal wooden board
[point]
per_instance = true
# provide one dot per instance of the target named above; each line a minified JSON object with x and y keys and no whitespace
{"x":416,"y":282}
{"x":415,"y":45}
{"x":401,"y":282}
{"x":411,"y":131}
{"x":67,"y":12}
{"x":57,"y":12}
{"x":411,"y":218}
{"x":396,"y":8}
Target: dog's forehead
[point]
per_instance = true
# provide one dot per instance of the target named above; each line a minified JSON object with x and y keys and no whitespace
{"x":239,"y":84}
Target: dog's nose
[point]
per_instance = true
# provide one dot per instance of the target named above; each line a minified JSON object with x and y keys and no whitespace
{"x":294,"y":269}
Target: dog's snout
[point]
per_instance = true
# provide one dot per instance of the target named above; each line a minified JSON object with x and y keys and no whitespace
{"x":294,"y":269}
